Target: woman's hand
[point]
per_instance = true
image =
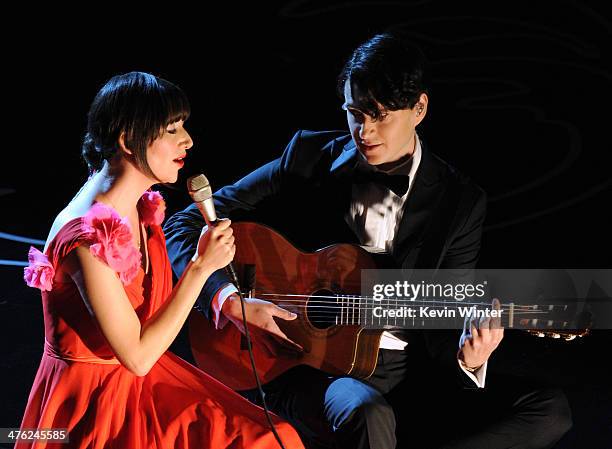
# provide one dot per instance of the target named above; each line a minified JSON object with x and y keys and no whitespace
{"x":216,"y":247}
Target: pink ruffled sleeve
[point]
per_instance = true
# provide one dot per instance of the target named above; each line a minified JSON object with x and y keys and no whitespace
{"x":152,"y":208}
{"x":110,"y":238}
{"x":39,"y":273}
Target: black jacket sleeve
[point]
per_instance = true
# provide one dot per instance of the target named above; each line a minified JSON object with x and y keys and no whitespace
{"x":240,"y":201}
{"x":183,"y":228}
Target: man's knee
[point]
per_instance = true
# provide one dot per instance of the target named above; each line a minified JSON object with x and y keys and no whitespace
{"x":359,"y":406}
{"x":366,"y":421}
{"x":555,"y":417}
{"x":375,"y":413}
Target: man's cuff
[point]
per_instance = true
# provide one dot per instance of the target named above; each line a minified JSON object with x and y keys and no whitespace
{"x":217,"y":304}
{"x":478,"y":376}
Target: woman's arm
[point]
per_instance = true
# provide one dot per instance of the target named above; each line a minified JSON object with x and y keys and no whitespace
{"x":138,"y":347}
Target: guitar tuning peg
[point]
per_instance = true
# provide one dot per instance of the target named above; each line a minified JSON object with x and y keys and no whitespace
{"x":555,"y":335}
{"x":541,"y":334}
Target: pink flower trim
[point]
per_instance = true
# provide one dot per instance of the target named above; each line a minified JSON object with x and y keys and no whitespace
{"x":39,"y":273}
{"x":111,"y":241}
{"x":152,"y":208}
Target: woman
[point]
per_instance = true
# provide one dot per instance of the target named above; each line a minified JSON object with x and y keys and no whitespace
{"x":109,"y":307}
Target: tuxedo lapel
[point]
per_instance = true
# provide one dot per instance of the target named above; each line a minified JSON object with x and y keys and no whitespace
{"x":430,"y":184}
{"x":345,"y":163}
{"x":338,"y":190}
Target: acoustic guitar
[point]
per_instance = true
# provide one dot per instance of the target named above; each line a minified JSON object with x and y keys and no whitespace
{"x":324,"y":289}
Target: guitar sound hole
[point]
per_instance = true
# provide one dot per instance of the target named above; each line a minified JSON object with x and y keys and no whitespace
{"x":322,"y":309}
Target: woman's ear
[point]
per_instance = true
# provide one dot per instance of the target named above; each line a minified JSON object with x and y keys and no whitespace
{"x":122,"y":146}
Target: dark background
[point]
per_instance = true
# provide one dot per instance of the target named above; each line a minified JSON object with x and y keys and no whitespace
{"x":520,"y":99}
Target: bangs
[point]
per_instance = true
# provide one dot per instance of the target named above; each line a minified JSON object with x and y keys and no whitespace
{"x":370,"y":97}
{"x":175,"y":106}
{"x":157,"y":104}
{"x":366,"y":103}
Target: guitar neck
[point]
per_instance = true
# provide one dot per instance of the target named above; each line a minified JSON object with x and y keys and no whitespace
{"x":443,"y":314}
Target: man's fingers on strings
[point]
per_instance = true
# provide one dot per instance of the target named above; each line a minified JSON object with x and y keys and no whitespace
{"x":283,"y":313}
{"x":484,"y":326}
{"x":496,"y":304}
{"x":498,"y":334}
{"x":496,"y":322}
{"x":474,"y":333}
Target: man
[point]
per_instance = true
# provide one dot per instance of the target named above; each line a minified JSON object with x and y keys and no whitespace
{"x":380,"y":187}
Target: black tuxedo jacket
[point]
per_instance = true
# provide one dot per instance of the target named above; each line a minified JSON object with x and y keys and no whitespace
{"x":305,"y":193}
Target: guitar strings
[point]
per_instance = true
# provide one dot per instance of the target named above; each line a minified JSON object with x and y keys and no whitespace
{"x":349,"y":308}
{"x":363,"y":305}
{"x":399,"y":301}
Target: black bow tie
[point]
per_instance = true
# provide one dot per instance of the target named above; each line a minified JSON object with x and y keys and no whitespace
{"x":398,"y":184}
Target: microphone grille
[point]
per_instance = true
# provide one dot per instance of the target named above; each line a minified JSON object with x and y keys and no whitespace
{"x":197,"y":182}
{"x":199,"y":188}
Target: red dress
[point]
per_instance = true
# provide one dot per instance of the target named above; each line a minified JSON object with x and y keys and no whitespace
{"x":82,"y":387}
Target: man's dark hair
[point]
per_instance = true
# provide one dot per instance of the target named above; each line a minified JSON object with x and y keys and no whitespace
{"x":138,"y":104}
{"x":386,"y":71}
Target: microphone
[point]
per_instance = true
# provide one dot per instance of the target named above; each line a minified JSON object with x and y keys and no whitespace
{"x":201,"y":193}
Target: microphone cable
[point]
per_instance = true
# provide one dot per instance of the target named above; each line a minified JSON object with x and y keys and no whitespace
{"x":247,"y":336}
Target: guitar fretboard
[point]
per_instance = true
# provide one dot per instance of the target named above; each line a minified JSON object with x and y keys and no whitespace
{"x":439,"y":314}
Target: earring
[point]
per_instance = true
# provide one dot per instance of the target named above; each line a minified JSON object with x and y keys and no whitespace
{"x":420,"y":110}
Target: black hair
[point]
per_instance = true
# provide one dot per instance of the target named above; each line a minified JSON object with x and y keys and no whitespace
{"x":387,"y":71}
{"x":140,"y":106}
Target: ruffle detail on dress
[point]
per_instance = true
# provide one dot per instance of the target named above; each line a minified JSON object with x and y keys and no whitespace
{"x":110,"y":238}
{"x":152,"y":208}
{"x":39,"y":273}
